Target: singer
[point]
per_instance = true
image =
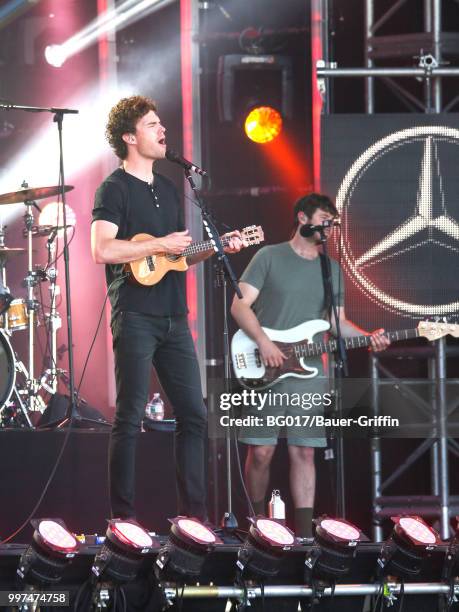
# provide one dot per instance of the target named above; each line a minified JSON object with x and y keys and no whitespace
{"x":149,"y":324}
{"x":283,"y":286}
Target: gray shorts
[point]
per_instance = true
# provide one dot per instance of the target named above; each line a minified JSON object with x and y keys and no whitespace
{"x":288,"y":410}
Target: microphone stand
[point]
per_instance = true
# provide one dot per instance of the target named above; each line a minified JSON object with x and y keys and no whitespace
{"x":72,"y":414}
{"x":229,"y":522}
{"x":341,"y":371}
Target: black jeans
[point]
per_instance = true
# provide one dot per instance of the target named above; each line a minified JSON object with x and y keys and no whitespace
{"x":138,"y":342}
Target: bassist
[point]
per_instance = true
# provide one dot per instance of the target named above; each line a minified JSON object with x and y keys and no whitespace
{"x":283,"y":287}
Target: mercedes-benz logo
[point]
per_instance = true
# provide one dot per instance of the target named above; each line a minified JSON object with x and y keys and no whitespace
{"x":420,"y":222}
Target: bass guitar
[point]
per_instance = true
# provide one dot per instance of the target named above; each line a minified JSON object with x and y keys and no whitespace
{"x":298,"y":345}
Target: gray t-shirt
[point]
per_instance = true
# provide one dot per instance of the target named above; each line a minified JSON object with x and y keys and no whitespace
{"x":291,"y":287}
{"x":291,"y":292}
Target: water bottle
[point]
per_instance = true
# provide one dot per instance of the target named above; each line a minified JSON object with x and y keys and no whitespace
{"x":154,"y":410}
{"x":276,"y":506}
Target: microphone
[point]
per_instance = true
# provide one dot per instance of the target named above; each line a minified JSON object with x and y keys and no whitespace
{"x":308,"y":230}
{"x":52,"y":235}
{"x":181,"y":161}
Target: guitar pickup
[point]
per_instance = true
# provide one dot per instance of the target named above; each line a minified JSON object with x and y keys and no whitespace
{"x":241,"y":363}
{"x":258,"y":358}
{"x":150,"y":263}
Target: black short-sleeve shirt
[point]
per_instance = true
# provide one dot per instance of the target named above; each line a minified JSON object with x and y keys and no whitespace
{"x":135,"y":207}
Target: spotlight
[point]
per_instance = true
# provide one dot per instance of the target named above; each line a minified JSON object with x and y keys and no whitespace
{"x":124,"y":14}
{"x":184,"y":553}
{"x":123,"y":552}
{"x":334,"y":548}
{"x":55,"y":55}
{"x":254,"y":79}
{"x":263,"y":124}
{"x":52,"y":548}
{"x":410,"y":542}
{"x":260,"y":556}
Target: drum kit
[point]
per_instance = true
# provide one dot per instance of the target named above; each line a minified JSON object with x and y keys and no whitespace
{"x":21,"y":391}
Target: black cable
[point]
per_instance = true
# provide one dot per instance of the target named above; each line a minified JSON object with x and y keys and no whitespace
{"x":45,"y":488}
{"x":236,"y":449}
{"x":70,"y":424}
{"x":72,"y":227}
{"x":85,"y":586}
{"x":179,"y":598}
{"x":379,"y":595}
{"x":241,"y":475}
{"x":381,"y":605}
{"x":402,"y":596}
{"x":123,"y":599}
{"x":262,"y":590}
{"x":107,"y":294}
{"x":77,"y":597}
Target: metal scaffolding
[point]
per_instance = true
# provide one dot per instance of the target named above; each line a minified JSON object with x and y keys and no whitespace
{"x":430,"y":47}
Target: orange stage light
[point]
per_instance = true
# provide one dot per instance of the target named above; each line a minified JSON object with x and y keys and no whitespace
{"x":263,"y":124}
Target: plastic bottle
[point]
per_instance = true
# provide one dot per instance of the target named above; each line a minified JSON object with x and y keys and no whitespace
{"x":154,"y":410}
{"x":276,"y":506}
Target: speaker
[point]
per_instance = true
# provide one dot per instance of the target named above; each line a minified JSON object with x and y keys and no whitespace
{"x":57,"y":407}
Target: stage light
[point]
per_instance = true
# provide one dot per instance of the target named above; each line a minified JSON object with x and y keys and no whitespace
{"x":260,"y":556}
{"x":184,"y":553}
{"x":263,"y":124}
{"x":334,"y":548}
{"x":411,"y":541}
{"x":254,"y":80}
{"x":51,"y":550}
{"x":123,"y":552}
{"x":52,"y":215}
{"x":55,"y":55}
{"x":124,"y":14}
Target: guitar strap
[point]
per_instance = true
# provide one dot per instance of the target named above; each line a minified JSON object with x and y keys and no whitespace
{"x":326,"y":279}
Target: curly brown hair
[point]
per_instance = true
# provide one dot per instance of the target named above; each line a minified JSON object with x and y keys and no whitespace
{"x":123,"y":118}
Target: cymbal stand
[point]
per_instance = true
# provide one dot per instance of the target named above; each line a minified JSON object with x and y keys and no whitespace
{"x":35,"y":401}
{"x":49,"y":380}
{"x":18,"y":392}
{"x":5,"y":294}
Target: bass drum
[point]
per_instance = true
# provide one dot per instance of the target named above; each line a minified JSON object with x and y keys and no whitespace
{"x":7,"y":369}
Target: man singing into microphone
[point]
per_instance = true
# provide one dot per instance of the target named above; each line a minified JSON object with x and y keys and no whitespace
{"x":149,"y":324}
{"x":283,"y":287}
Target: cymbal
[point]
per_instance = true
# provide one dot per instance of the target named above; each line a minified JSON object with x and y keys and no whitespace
{"x":34,"y":193}
{"x":6,"y":253}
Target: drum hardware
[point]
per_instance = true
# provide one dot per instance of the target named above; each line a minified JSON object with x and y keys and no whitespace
{"x":41,"y":231}
{"x":19,"y":397}
{"x":5,"y":296}
{"x":49,"y":380}
{"x":30,"y":194}
{"x":12,"y":412}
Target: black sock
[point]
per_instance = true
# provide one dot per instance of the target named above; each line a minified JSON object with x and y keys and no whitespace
{"x":303,"y":522}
